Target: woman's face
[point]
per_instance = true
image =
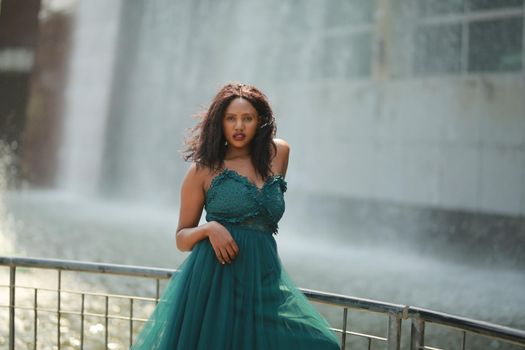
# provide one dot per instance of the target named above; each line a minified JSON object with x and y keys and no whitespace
{"x":240,"y":123}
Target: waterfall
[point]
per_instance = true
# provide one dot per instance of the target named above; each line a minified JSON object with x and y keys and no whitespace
{"x":88,"y":95}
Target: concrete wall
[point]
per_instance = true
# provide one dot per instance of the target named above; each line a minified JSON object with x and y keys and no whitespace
{"x":452,"y":142}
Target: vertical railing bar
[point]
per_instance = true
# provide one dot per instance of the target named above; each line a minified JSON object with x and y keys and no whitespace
{"x":82,"y":316}
{"x":59,"y":292}
{"x":369,"y":343}
{"x":463,"y":340}
{"x":417,"y":334}
{"x":157,"y":292}
{"x":12,"y":278}
{"x":106,"y":335}
{"x":343,"y":337}
{"x":130,"y":321}
{"x":394,"y":331}
{"x":35,"y":317}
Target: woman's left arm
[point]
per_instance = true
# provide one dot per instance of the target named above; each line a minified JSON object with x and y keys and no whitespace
{"x":283,"y":154}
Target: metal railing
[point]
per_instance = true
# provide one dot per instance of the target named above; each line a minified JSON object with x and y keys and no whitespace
{"x":396,"y":313}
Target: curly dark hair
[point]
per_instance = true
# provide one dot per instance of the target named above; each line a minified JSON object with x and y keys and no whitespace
{"x":206,"y":144}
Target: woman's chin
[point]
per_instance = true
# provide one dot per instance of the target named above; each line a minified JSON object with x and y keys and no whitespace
{"x":239,"y":143}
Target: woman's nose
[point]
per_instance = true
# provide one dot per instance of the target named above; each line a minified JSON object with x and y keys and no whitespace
{"x":239,"y":124}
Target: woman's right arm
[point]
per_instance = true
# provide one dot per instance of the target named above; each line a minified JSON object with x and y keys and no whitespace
{"x":191,"y":205}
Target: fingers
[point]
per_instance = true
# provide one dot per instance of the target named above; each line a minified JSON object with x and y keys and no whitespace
{"x":231,"y":253}
{"x":224,"y":245}
{"x":222,"y":256}
{"x":227,"y":254}
{"x":235,"y":247}
{"x":218,"y":255}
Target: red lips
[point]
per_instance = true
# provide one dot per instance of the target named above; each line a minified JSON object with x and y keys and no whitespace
{"x":239,"y":136}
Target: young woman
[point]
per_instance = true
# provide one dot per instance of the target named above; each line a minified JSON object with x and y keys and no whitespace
{"x":232,"y":292}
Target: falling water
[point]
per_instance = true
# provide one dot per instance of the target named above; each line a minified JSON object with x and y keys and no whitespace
{"x":88,"y":97}
{"x":6,"y":220}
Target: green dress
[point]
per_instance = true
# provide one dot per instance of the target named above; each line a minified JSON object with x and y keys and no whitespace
{"x":250,"y":304}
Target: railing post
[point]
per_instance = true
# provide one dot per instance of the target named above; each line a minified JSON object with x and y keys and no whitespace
{"x":394,"y":331}
{"x":35,"y":318}
{"x":106,"y":323}
{"x":130,"y":321}
{"x":12,"y":274}
{"x":463,"y":339}
{"x":59,"y":306}
{"x":417,"y":334}
{"x":157,"y":291}
{"x":82,"y":317}
{"x":343,"y":336}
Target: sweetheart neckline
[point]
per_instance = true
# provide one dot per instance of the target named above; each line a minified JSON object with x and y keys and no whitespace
{"x":245,"y":179}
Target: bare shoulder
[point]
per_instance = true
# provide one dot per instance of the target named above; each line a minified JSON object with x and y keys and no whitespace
{"x":282,"y":156}
{"x":282,"y":146}
{"x":196,"y":175}
{"x":195,"y":170}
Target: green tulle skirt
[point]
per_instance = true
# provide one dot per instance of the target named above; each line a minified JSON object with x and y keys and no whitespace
{"x":249,"y":304}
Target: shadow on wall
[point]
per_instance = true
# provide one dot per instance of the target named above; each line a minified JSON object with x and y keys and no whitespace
{"x":488,"y":240}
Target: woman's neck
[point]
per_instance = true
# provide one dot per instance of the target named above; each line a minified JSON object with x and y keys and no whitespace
{"x":232,"y":153}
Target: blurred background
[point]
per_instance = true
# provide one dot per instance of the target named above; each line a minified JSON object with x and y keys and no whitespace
{"x":406,"y":120}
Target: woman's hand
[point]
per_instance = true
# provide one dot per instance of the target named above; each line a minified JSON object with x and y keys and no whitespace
{"x":222,"y":242}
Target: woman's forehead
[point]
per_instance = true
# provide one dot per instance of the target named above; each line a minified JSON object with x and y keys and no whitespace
{"x":240,"y":105}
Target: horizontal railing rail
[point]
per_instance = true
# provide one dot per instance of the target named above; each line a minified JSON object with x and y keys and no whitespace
{"x":420,"y":316}
{"x":395,"y":312}
{"x":86,"y":266}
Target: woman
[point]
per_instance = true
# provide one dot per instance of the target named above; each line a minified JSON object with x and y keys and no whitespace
{"x":232,"y":292}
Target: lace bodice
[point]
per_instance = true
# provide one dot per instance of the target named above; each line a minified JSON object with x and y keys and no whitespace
{"x":233,"y":199}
